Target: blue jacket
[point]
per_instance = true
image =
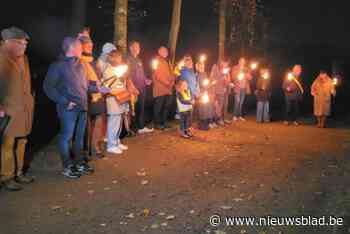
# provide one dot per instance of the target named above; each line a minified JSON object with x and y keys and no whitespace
{"x":66,"y":82}
{"x":190,"y":77}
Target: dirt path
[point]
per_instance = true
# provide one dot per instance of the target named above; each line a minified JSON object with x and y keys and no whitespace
{"x":165,"y":184}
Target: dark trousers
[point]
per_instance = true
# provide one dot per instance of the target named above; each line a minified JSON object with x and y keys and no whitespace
{"x":72,"y":123}
{"x":292,"y":109}
{"x":139,"y":121}
{"x":185,"y":120}
{"x":161,"y":109}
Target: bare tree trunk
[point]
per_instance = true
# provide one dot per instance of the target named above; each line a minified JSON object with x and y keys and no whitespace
{"x":175,"y":27}
{"x":78,"y":15}
{"x":121,"y":24}
{"x":222,"y":28}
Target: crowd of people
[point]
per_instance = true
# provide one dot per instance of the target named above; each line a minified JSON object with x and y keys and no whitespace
{"x":99,"y":97}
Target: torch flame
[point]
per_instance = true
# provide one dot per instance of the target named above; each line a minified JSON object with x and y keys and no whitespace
{"x":155,"y":64}
{"x":181,"y":64}
{"x":266,"y":75}
{"x":241,"y":76}
{"x":206,"y":82}
{"x":290,"y":76}
{"x":202,"y":58}
{"x":120,"y":70}
{"x":205,"y":98}
{"x":335,"y":81}
{"x":254,"y":66}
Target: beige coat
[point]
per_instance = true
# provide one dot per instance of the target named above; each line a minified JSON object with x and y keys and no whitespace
{"x":322,"y":92}
{"x":16,"y":100}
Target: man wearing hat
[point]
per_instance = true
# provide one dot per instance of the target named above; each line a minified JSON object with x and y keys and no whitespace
{"x":17,"y":102}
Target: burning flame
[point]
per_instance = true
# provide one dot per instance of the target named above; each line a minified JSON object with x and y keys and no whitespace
{"x":335,"y":81}
{"x":241,"y":76}
{"x":202,"y":58}
{"x":206,"y":82}
{"x":290,"y":76}
{"x":205,"y":98}
{"x":155,"y":64}
{"x":181,"y":64}
{"x":120,"y":70}
{"x":254,"y":66}
{"x":266,"y":75}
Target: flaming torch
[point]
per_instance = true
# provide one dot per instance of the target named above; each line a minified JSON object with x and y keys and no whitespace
{"x":335,"y":81}
{"x":266,"y":75}
{"x":254,"y":65}
{"x":202,"y":58}
{"x":205,"y":98}
{"x":241,"y":76}
{"x":226,"y":70}
{"x":155,"y":64}
{"x":206,"y":82}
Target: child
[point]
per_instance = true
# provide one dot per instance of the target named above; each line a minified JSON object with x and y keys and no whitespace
{"x":185,"y":103}
{"x":205,"y":101}
{"x":118,"y":100}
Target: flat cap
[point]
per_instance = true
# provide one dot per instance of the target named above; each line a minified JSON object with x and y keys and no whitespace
{"x":13,"y":33}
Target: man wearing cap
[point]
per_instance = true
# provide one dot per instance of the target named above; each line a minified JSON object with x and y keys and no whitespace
{"x":17,"y":102}
{"x":67,"y":85}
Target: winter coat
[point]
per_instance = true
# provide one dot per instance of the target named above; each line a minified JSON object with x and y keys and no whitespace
{"x":322,"y":92}
{"x":16,"y":98}
{"x":137,"y":73}
{"x":163,"y":78}
{"x":190,"y":77}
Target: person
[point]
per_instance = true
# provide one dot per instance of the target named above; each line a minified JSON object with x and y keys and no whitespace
{"x":66,"y":84}
{"x":84,"y":32}
{"x":205,"y":104}
{"x":117,"y":106}
{"x":97,"y":104}
{"x":293,"y":91}
{"x":163,"y":84}
{"x":322,"y":90}
{"x":185,"y":102}
{"x":16,"y":100}
{"x":263,"y":95}
{"x":101,"y":62}
{"x":241,"y":78}
{"x":221,"y":76}
{"x":138,"y":77}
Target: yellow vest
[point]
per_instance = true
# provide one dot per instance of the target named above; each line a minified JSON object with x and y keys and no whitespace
{"x":187,"y":97}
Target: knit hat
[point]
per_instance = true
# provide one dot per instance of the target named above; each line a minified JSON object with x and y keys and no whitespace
{"x":108,"y":48}
{"x":13,"y":33}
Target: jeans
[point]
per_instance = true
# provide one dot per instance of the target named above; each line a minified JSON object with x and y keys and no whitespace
{"x":263,"y":111}
{"x":139,"y":120}
{"x":239,"y":101}
{"x":292,"y":109}
{"x":185,"y":121}
{"x":114,"y":128}
{"x":162,"y":106}
{"x":71,"y":122}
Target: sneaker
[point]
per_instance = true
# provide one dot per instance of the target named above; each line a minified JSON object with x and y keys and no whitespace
{"x":234,"y":119}
{"x":184,"y":135}
{"x":286,"y":123}
{"x":85,"y":169}
{"x":71,"y":173}
{"x":296,"y":123}
{"x":22,"y":179}
{"x":123,"y":147}
{"x":211,"y":126}
{"x":12,"y":186}
{"x":242,"y":119}
{"x":114,"y":150}
{"x":145,"y":130}
{"x":214,"y":125}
